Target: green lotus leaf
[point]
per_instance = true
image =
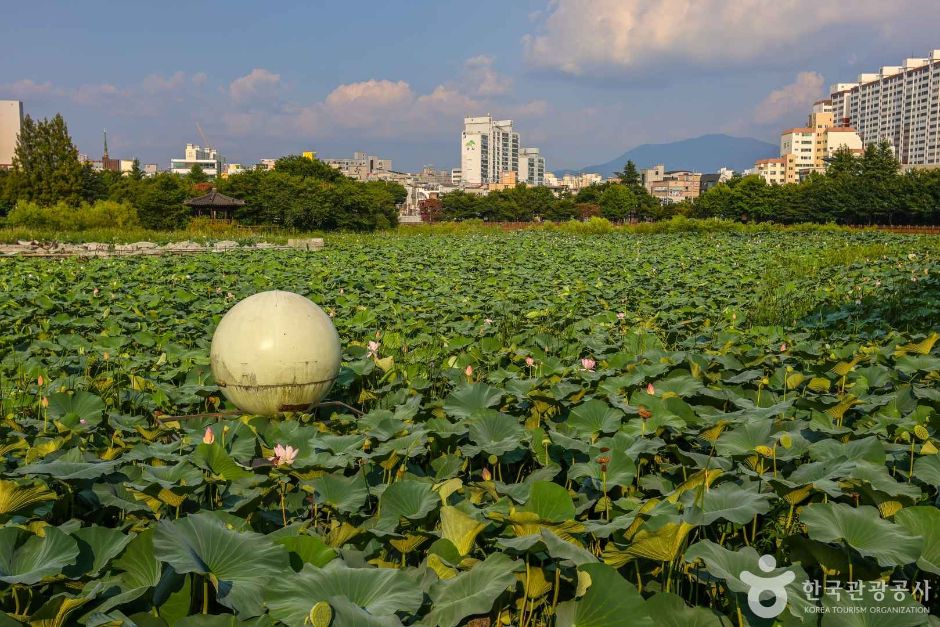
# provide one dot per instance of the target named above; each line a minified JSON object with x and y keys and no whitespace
{"x":344,"y":494}
{"x":470,"y":399}
{"x":923,"y":521}
{"x":726,"y":501}
{"x":609,"y":601}
{"x":594,"y":417}
{"x":239,"y":564}
{"x":138,"y":570}
{"x":214,"y":458}
{"x":97,"y":547}
{"x":471,"y":592}
{"x":669,"y":610}
{"x":724,"y":566}
{"x":68,"y":470}
{"x":864,"y":530}
{"x":83,"y":405}
{"x":409,"y":499}
{"x":381,"y":592}
{"x":550,"y":501}
{"x":28,"y":562}
{"x":495,"y":433}
{"x":306,"y":549}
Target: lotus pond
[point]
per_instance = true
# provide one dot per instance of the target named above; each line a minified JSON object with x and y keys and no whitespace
{"x":545,"y":429}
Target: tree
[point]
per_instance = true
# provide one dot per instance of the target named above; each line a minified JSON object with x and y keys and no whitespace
{"x":197,"y":175}
{"x":843,"y":162}
{"x":629,"y":175}
{"x":46,"y":168}
{"x":136,"y":173}
{"x":160,"y":202}
{"x":301,"y":166}
{"x":618,"y":202}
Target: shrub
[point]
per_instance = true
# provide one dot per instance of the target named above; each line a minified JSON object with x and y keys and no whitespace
{"x":62,"y":217}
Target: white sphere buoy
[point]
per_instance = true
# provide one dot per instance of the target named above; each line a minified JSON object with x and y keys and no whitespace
{"x":275,"y":352}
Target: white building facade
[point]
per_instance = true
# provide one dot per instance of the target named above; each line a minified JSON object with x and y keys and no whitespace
{"x":531,"y":166}
{"x":900,"y":104}
{"x":206,"y":158}
{"x":488,"y":149}
{"x":11,"y":121}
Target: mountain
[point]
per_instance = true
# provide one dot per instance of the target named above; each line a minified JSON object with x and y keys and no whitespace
{"x":707,"y":153}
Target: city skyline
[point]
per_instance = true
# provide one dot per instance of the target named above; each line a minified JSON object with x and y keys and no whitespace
{"x":582,"y":90}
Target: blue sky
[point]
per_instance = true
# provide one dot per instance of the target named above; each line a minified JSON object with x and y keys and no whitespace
{"x":583,"y":79}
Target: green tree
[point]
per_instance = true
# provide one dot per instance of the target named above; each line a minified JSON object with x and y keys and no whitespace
{"x":159,"y":202}
{"x":136,"y":173}
{"x":843,"y":162}
{"x":618,"y":203}
{"x":46,"y":168}
{"x":629,"y":175}
{"x":301,"y":166}
{"x":197,"y":175}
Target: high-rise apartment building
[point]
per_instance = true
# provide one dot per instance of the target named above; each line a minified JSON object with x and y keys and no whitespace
{"x":11,"y":120}
{"x":531,"y":166}
{"x":488,"y":148}
{"x":900,"y":104}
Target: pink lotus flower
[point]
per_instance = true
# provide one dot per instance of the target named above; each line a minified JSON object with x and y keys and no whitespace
{"x":283,"y":455}
{"x":529,"y":362}
{"x":94,"y":292}
{"x":39,"y":381}
{"x":373,"y":349}
{"x":650,"y":389}
{"x":621,"y":315}
{"x":487,"y":475}
{"x":468,"y":371}
{"x":208,"y":437}
{"x":488,"y":321}
{"x":588,"y":364}
{"x":783,"y":348}
{"x":82,"y":421}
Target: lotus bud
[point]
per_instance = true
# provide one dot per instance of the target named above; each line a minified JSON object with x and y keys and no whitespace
{"x":487,"y":475}
{"x":208,"y":437}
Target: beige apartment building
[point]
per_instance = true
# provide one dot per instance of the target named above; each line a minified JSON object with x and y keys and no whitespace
{"x":11,"y":120}
{"x":774,"y":171}
{"x":808,"y":148}
{"x":673,"y":186}
{"x":900,"y":104}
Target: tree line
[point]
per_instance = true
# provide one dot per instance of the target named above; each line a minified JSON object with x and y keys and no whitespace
{"x":863,"y":189}
{"x":618,"y":201}
{"x":49,"y":185}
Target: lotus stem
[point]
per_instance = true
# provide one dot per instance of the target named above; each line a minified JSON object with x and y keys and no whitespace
{"x":205,"y":595}
{"x":639,"y":578}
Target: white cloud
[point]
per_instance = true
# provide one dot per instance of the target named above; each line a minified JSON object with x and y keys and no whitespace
{"x":156,"y":82}
{"x":257,"y":83}
{"x":797,"y":97}
{"x":636,"y":37}
{"x":486,"y":81}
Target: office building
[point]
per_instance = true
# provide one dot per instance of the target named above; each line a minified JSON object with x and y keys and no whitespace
{"x":206,"y":158}
{"x":898,"y":103}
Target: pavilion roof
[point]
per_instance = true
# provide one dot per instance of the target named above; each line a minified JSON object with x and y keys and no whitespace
{"x":214,"y":199}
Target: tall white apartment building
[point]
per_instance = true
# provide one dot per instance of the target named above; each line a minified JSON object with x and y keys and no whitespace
{"x":11,"y":120}
{"x":531,"y":166}
{"x":900,"y":104}
{"x":488,"y":148}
